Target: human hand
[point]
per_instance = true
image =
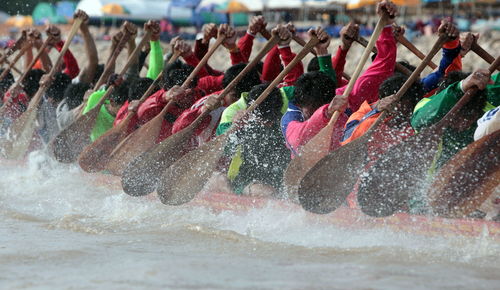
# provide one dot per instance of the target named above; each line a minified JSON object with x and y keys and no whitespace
{"x":448,"y":29}
{"x":54,"y":34}
{"x":209,"y":32}
{"x":80,"y":14}
{"x":230,"y":36}
{"x":283,"y":33}
{"x":480,"y":79}
{"x":257,"y":24}
{"x":212,"y":102}
{"x":466,"y":42}
{"x":388,"y":7}
{"x":183,"y":48}
{"x":348,"y":34}
{"x":133,"y":106}
{"x":324,"y":40}
{"x":154,"y":27}
{"x":338,"y":103}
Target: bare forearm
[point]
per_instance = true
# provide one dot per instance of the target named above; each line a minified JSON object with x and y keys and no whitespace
{"x":89,"y":71}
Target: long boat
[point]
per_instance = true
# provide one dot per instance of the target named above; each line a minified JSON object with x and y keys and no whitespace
{"x":344,"y":217}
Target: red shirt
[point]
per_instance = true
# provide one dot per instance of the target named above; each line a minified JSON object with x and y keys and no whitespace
{"x":153,"y":106}
{"x":15,"y":107}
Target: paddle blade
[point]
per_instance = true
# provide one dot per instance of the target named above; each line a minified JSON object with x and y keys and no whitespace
{"x":21,"y":132}
{"x":398,"y":173}
{"x":135,"y":144}
{"x":325,"y":187}
{"x":95,"y":156}
{"x":182,"y":181}
{"x":141,"y":175}
{"x":312,"y":152}
{"x":468,"y":179}
{"x":72,"y":140}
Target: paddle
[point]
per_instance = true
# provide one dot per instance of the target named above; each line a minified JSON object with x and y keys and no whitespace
{"x":186,"y":177}
{"x":14,"y":61}
{"x":143,"y":180}
{"x":23,"y":128}
{"x":15,"y":88}
{"x":468,"y":179}
{"x":13,"y":67}
{"x":411,"y":47}
{"x":95,"y":157}
{"x":144,"y":138}
{"x":122,"y":37}
{"x":69,"y":143}
{"x":399,"y":67}
{"x":477,"y":49}
{"x":327,"y":184}
{"x":132,"y":145}
{"x":11,"y":50}
{"x":127,"y":30}
{"x":319,"y":146}
{"x":402,"y":170}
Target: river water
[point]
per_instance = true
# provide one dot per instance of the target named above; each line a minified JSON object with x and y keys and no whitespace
{"x":59,"y":229}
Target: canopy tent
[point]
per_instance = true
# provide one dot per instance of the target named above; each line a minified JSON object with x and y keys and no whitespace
{"x":355,"y":4}
{"x":20,"y":21}
{"x":3,"y":16}
{"x":138,"y":9}
{"x":114,"y":9}
{"x":65,"y":9}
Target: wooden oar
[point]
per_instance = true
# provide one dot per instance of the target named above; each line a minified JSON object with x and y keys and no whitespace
{"x":130,"y":147}
{"x":69,"y":143}
{"x":327,"y":184}
{"x":182,"y":181}
{"x":141,"y":175}
{"x":127,"y":29}
{"x":14,"y":61}
{"x":133,"y":151}
{"x":319,"y":146}
{"x":14,"y":68}
{"x":411,"y":47}
{"x":477,"y":49}
{"x":11,"y":50}
{"x":16,"y":86}
{"x":95,"y":157}
{"x":399,"y":67}
{"x":468,"y":179}
{"x":267,"y":35}
{"x":23,"y":128}
{"x":402,"y":170}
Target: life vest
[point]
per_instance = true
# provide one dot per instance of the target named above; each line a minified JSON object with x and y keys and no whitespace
{"x":359,"y":122}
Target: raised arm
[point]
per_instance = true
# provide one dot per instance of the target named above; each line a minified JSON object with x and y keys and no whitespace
{"x":156,"y":53}
{"x":88,"y":72}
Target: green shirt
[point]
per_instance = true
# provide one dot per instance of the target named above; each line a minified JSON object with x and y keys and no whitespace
{"x":155,"y":60}
{"x":104,"y":119}
{"x":431,"y":110}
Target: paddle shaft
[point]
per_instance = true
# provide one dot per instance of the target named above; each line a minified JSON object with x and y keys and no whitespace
{"x":183,"y":192}
{"x":149,"y":91}
{"x":129,"y":62}
{"x":23,"y":127}
{"x":194,"y":73}
{"x":411,"y":47}
{"x":14,"y":61}
{"x":401,"y":68}
{"x":112,"y":60}
{"x":13,"y":68}
{"x":269,"y":45}
{"x":448,"y":118}
{"x":477,"y":49}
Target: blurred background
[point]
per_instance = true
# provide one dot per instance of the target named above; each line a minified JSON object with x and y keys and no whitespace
{"x":420,"y":17}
